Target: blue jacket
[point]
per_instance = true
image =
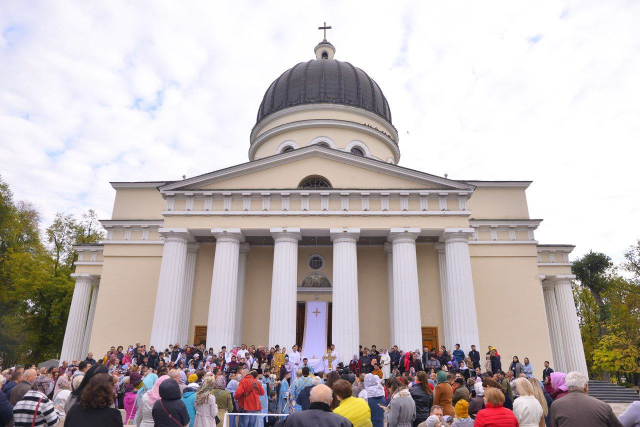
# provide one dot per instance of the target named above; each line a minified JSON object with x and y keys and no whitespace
{"x":6,"y":389}
{"x":459,"y":355}
{"x":189,"y":399}
{"x":6,"y":410}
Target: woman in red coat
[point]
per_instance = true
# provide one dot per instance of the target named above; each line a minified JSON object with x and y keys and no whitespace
{"x":495,"y":414}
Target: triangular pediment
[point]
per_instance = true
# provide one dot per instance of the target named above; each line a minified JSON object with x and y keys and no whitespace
{"x":341,"y":169}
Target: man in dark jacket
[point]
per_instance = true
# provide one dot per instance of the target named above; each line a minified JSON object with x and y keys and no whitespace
{"x":319,"y":413}
{"x":394,"y":355}
{"x":365,"y":360}
{"x":6,"y":410}
{"x":153,"y":358}
{"x":90,"y":360}
{"x":15,"y":379}
{"x":169,"y":410}
{"x":547,"y":370}
{"x":474,"y":355}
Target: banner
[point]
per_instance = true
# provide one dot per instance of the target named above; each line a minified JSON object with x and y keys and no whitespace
{"x":314,"y":344}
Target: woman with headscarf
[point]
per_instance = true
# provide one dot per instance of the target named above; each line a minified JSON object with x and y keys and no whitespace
{"x":144,"y":417}
{"x":385,"y":361}
{"x":145,"y":386}
{"x":130,"y":394}
{"x":74,"y":397}
{"x":558,"y":384}
{"x":443,"y":395}
{"x":224,"y":400}
{"x":206,"y":407}
{"x":373,"y":393}
{"x":63,"y":387}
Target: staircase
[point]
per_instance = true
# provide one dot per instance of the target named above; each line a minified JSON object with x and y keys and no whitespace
{"x":612,"y":393}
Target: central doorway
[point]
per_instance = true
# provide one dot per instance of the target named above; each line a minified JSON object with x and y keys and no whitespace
{"x":302,"y":307}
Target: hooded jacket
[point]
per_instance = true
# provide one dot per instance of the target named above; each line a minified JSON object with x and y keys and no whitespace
{"x":169,"y":410}
{"x":189,"y":399}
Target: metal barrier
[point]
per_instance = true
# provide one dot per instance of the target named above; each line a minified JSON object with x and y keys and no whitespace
{"x":227,"y":423}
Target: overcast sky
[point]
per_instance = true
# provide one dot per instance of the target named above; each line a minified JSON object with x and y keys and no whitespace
{"x":549,"y":91}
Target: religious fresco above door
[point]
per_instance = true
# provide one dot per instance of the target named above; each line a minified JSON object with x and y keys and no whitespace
{"x":315,"y":280}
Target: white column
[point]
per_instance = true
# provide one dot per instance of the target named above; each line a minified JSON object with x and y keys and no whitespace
{"x":345,"y":318}
{"x":573,"y":350}
{"x":242,"y":271}
{"x":189,"y":276}
{"x":408,"y":323}
{"x":221,"y":325}
{"x":169,"y":310}
{"x":388,"y":249}
{"x":284,"y":287}
{"x":449,"y":340}
{"x":89,"y":327}
{"x":77,"y":321}
{"x":553,"y":324}
{"x":460,"y":293}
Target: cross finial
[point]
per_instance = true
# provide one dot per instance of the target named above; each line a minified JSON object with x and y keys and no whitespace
{"x":325,"y":28}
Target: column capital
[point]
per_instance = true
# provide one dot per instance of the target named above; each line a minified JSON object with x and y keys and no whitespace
{"x":388,"y":248}
{"x":562,"y":278}
{"x":284,"y":234}
{"x":245,"y":248}
{"x":227,"y":235}
{"x":440,"y":247}
{"x":404,"y":235}
{"x":180,"y":235}
{"x":193,"y":247}
{"x":456,"y":235}
{"x":344,"y":234}
{"x":93,"y":278}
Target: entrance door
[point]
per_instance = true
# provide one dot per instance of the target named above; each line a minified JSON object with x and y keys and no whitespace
{"x":430,"y":337}
{"x":200,"y":336}
{"x":302,"y":306}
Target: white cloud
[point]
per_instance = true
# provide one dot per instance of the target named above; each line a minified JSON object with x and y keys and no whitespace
{"x":546,"y":91}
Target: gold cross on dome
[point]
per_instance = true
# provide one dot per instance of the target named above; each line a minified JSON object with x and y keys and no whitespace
{"x":325,"y":28}
{"x":316,"y":312}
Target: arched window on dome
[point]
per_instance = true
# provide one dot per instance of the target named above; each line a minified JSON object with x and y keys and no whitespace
{"x":325,"y":55}
{"x":357,"y":151}
{"x":323,"y":145}
{"x":314,"y":183}
{"x":287,"y":149}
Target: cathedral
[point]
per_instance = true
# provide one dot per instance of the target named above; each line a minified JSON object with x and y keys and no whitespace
{"x":323,"y":238}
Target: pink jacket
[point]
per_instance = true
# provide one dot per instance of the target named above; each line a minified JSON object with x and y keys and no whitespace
{"x":130,"y":406}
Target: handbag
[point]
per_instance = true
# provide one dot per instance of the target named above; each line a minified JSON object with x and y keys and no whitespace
{"x":169,"y":415}
{"x":35,"y":412}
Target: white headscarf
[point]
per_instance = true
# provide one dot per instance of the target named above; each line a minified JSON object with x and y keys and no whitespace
{"x":372,"y":387}
{"x":479,"y":389}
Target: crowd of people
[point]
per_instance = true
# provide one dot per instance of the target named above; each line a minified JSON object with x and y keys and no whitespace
{"x":254,"y":386}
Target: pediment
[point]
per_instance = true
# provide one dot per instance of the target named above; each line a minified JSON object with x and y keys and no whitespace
{"x":341,"y":169}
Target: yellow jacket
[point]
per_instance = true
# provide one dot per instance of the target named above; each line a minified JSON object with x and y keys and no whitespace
{"x":355,"y":410}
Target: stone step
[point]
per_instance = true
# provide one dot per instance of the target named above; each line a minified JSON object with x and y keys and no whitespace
{"x":612,"y":393}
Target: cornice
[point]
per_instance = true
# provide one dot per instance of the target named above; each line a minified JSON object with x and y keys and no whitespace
{"x":499,"y":184}
{"x":316,"y":213}
{"x":315,"y":107}
{"x":132,"y":222}
{"x":325,"y":123}
{"x":147,"y":184}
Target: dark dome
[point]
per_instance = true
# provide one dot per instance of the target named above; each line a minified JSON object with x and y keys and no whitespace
{"x":324,"y":81}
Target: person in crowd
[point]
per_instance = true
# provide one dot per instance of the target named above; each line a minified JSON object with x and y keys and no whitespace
{"x":34,"y":409}
{"x":433,"y":364}
{"x":526,"y":407}
{"x":352,"y":408}
{"x":189,"y":399}
{"x":496,"y":361}
{"x":144,"y":415}
{"x":169,"y":410}
{"x":6,"y":410}
{"x":577,"y":408}
{"x":527,"y":369}
{"x":401,"y":411}
{"x":385,"y":363}
{"x":16,"y":377}
{"x":248,"y":396}
{"x":631,"y":416}
{"x":477,"y":400}
{"x":18,"y":392}
{"x":558,"y":386}
{"x":358,"y":385}
{"x":494,"y":413}
{"x":298,"y":385}
{"x":462,"y":415}
{"x":130,"y":394}
{"x":365,"y":361}
{"x":63,"y":386}
{"x":319,"y":412}
{"x":224,"y":400}
{"x":206,"y":407}
{"x":543,"y":398}
{"x":422,"y":397}
{"x":458,"y":354}
{"x":443,"y":395}
{"x":76,"y":393}
{"x":95,"y":405}
{"x":547,"y":370}
{"x":373,"y":393}
{"x":394,"y":355}
{"x":304,"y":396}
{"x":491,"y":383}
{"x":460,"y":391}
{"x":516,"y":367}
{"x":474,"y":355}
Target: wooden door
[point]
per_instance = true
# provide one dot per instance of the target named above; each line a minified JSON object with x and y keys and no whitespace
{"x":200,"y":335}
{"x":430,"y":337}
{"x":300,"y":319}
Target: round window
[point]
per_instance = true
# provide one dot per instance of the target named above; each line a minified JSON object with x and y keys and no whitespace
{"x":315,"y":262}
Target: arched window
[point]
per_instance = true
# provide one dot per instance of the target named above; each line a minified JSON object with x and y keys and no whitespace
{"x":325,"y":55}
{"x":323,"y":145}
{"x":287,"y":149}
{"x":357,"y":151}
{"x":314,"y":182}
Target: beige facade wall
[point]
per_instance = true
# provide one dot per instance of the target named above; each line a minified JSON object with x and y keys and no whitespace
{"x":138,"y":203}
{"x":509,"y":303}
{"x":341,"y":137}
{"x":430,"y":295}
{"x":291,"y":174}
{"x":499,"y":203}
